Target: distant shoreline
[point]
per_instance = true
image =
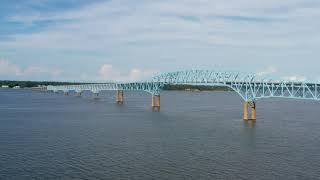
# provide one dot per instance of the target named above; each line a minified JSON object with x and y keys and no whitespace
{"x":196,"y":88}
{"x":31,"y":84}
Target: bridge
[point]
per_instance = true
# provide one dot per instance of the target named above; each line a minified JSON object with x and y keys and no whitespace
{"x":249,"y":87}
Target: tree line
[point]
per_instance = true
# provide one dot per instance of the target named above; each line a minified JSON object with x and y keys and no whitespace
{"x":196,"y":88}
{"x":29,"y":84}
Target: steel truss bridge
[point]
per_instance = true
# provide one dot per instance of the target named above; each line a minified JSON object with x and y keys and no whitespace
{"x":250,"y":87}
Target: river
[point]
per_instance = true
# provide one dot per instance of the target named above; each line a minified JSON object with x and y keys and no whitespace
{"x":196,"y":135}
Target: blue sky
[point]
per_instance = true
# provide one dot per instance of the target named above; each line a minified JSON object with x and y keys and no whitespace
{"x":128,"y":40}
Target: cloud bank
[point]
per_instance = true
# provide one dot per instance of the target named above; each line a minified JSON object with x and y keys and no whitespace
{"x":136,"y":36}
{"x":106,"y":73}
{"x":8,"y":69}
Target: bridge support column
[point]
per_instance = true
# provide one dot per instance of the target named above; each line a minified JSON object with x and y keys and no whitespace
{"x":252,"y":105}
{"x":155,"y":102}
{"x":246,"y":111}
{"x":78,"y":94}
{"x":96,"y":95}
{"x":119,"y":97}
{"x":253,"y":111}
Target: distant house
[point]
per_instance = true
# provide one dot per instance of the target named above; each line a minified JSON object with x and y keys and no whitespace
{"x":4,"y":86}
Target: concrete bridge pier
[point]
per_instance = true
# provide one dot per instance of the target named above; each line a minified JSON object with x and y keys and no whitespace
{"x":119,"y":97}
{"x":79,"y":94}
{"x":96,"y":95}
{"x":252,"y":106}
{"x":246,"y":111}
{"x":253,"y":111}
{"x":155,"y":102}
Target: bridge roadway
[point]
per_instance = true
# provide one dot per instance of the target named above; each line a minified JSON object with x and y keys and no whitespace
{"x":250,"y":87}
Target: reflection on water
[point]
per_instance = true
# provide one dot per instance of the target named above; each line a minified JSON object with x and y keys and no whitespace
{"x":249,"y":134}
{"x":249,"y":124}
{"x":194,"y":136}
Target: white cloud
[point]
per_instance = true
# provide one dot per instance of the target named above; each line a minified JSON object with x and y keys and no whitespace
{"x":6,"y":68}
{"x":10,"y":69}
{"x":268,"y":71}
{"x":294,"y":78}
{"x":272,"y":73}
{"x":108,"y":73}
{"x":240,"y":33}
{"x":37,"y":70}
{"x":102,"y":25}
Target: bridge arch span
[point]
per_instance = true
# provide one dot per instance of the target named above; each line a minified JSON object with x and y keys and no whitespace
{"x":239,"y":82}
{"x":250,"y":87}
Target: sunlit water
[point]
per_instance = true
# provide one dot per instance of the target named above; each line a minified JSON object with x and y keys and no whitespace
{"x":196,"y":135}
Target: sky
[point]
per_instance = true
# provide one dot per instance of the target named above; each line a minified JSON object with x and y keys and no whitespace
{"x":132,"y":40}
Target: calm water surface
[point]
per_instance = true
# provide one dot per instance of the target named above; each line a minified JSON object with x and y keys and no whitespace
{"x":195,"y":136}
